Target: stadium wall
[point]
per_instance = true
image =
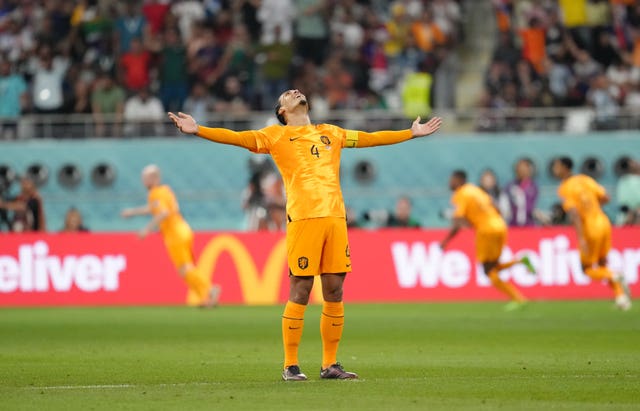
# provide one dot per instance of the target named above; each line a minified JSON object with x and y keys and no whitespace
{"x":209,"y":178}
{"x":389,"y":266}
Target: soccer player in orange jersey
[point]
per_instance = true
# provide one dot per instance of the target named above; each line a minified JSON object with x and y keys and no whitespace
{"x":582,"y":198}
{"x":308,"y":157}
{"x":475,"y":207}
{"x":177,"y":235}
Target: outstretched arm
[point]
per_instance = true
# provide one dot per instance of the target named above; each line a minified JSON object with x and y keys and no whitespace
{"x":458,"y":223}
{"x":382,"y":138}
{"x":135,"y":211}
{"x":247,"y":139}
{"x":153,"y":224}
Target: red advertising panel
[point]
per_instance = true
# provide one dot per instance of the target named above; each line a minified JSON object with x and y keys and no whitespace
{"x":389,"y":265}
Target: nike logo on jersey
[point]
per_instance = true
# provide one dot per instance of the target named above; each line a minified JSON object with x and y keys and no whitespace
{"x":336,"y":325}
{"x":294,"y":328}
{"x":294,"y":138}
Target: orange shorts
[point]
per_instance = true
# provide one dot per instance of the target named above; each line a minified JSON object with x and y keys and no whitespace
{"x":180,"y":249}
{"x":489,"y":245}
{"x":318,"y":246}
{"x":597,"y":235}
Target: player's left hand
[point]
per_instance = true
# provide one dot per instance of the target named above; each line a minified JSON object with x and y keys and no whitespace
{"x":430,"y":127}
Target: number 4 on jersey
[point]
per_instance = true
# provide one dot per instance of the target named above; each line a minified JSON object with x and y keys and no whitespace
{"x":314,"y":151}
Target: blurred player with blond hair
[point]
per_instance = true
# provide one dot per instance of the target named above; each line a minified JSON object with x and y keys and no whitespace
{"x":177,"y":235}
{"x":475,"y":207}
{"x":582,"y":198}
{"x":308,"y":157}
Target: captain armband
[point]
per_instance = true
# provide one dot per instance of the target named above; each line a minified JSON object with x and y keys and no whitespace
{"x":352,"y":139}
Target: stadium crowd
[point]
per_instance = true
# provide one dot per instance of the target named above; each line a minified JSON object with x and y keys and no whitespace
{"x":565,"y":53}
{"x":125,"y":61}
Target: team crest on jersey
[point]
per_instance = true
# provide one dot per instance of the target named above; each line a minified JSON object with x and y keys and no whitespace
{"x":303,"y":263}
{"x":325,"y":140}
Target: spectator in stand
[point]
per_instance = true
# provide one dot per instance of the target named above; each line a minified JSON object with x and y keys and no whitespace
{"x":398,"y":30}
{"x":14,"y":98}
{"x":27,"y":208}
{"x":143,"y":115}
{"x":628,"y":194}
{"x":402,"y":216}
{"x":426,"y":33}
{"x":488,"y":182}
{"x":173,"y":75}
{"x":337,"y":82}
{"x":312,"y":31}
{"x":107,"y":106}
{"x":47,"y":88}
{"x":522,"y":193}
{"x":135,"y":65}
{"x":199,"y":103}
{"x":205,"y":54}
{"x":155,"y":12}
{"x":129,"y":26}
{"x":189,"y":14}
{"x":274,"y":62}
{"x":73,"y":222}
{"x":231,"y":100}
{"x":276,"y":13}
{"x":239,"y":60}
{"x":533,"y":44}
{"x":605,"y":105}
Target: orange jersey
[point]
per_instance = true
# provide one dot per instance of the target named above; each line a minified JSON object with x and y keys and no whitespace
{"x":308,"y":158}
{"x":476,"y":206}
{"x":582,"y":193}
{"x":161,"y":199}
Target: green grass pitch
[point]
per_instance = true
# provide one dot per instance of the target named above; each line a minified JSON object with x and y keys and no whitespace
{"x":560,"y":355}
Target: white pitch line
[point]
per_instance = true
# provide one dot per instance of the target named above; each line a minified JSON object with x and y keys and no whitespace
{"x":116,"y":386}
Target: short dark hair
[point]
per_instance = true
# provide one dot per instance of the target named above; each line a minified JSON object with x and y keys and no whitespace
{"x":566,"y":161}
{"x":280,"y":117}
{"x":461,"y":174}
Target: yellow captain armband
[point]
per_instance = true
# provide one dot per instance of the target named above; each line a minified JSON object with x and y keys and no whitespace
{"x":352,"y":139}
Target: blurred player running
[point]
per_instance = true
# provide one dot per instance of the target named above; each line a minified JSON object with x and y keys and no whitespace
{"x":475,"y":207}
{"x":581,"y":198}
{"x":177,"y":235}
{"x":308,"y":157}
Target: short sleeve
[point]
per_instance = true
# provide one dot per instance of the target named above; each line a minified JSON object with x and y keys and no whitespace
{"x":157,"y":202}
{"x":567,"y":199}
{"x":597,"y":189}
{"x":459,"y":203}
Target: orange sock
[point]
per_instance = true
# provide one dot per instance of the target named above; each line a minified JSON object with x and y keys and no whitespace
{"x":331,"y":326}
{"x":603,"y":273}
{"x":504,"y":266}
{"x":507,"y":288}
{"x":292,"y":326}
{"x":198,"y":284}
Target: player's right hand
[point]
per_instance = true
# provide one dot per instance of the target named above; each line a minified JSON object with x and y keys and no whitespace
{"x":184,"y":122}
{"x":126,"y":213}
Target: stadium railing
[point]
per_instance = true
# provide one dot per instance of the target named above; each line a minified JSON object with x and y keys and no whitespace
{"x":556,"y":119}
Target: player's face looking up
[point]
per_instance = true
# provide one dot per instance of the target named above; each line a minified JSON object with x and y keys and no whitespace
{"x":290,"y":100}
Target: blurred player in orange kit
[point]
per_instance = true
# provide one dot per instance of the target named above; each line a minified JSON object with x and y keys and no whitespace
{"x":177,"y":235}
{"x":475,"y":207}
{"x":582,"y":198}
{"x":308,"y":157}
